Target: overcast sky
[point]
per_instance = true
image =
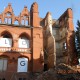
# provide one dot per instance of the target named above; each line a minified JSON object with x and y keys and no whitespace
{"x":56,"y":7}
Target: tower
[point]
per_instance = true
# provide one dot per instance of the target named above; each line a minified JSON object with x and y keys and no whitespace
{"x":37,"y":33}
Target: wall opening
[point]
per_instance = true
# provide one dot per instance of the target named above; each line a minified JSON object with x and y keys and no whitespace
{"x":16,"y":22}
{"x":24,"y":20}
{"x":0,"y":21}
{"x":24,"y":42}
{"x":6,"y":20}
{"x":64,"y":45}
{"x":45,"y":67}
{"x":3,"y":64}
{"x":26,"y":23}
{"x":9,"y":21}
{"x":6,"y":40}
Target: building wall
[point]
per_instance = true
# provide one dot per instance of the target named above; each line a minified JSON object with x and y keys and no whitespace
{"x":60,"y":40}
{"x":15,"y":27}
{"x":63,"y":32}
{"x":46,"y":36}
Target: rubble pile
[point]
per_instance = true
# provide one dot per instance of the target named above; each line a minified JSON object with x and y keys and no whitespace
{"x":61,"y":72}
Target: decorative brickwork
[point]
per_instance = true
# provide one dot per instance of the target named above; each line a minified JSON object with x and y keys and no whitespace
{"x":40,"y":40}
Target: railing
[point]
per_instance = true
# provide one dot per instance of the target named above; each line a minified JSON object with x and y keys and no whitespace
{"x":14,"y":49}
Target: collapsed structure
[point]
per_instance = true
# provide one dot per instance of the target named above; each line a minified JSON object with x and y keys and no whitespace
{"x":29,"y":43}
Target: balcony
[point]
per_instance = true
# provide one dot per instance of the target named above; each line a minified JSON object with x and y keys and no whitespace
{"x":14,"y":49}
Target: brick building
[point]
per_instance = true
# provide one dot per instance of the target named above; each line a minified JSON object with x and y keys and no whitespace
{"x":27,"y":42}
{"x":60,"y":34}
{"x":20,"y":38}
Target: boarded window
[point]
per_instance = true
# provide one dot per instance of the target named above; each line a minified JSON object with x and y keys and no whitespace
{"x":5,"y":42}
{"x":23,"y":43}
{"x":22,"y":65}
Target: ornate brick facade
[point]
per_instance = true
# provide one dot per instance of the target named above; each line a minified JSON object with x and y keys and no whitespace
{"x":45,"y":36}
{"x":26,"y":25}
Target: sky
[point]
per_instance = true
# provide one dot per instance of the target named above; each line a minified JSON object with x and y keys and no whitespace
{"x":56,"y":7}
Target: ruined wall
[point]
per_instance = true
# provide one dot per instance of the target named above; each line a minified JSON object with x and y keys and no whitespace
{"x":46,"y":39}
{"x":64,"y":36}
{"x":49,"y":42}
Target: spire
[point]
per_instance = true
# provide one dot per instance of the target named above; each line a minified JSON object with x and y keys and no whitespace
{"x":34,"y":7}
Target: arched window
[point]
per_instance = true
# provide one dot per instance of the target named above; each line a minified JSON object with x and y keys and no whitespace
{"x":24,"y":21}
{"x":8,"y":14}
{"x":22,"y":64}
{"x":3,"y":64}
{"x":8,"y":19}
{"x":16,"y":22}
{"x":23,"y":41}
{"x":6,"y":40}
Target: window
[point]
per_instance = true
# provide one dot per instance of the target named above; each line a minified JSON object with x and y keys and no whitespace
{"x":9,"y":21}
{"x":0,"y":21}
{"x":8,"y":14}
{"x":3,"y":64}
{"x":6,"y":36}
{"x":5,"y":42}
{"x":6,"y":20}
{"x":23,"y":42}
{"x":24,"y":21}
{"x":22,"y":65}
{"x":22,"y":78}
{"x":64,"y":46}
{"x":16,"y":22}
